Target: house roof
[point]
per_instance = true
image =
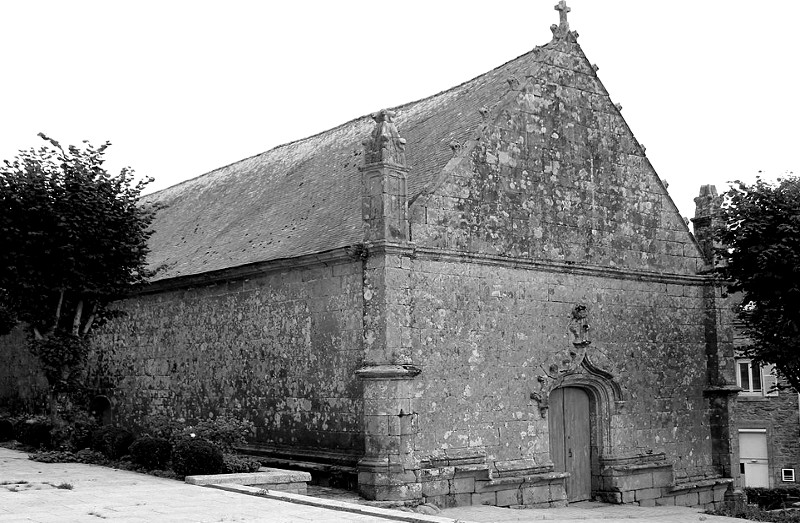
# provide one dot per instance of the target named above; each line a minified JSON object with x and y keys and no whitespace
{"x":304,"y":197}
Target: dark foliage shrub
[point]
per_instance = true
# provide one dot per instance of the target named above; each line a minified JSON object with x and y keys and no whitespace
{"x":754,"y":513}
{"x":161,"y":426}
{"x":774,"y":498}
{"x":226,"y":433}
{"x":74,"y":430}
{"x":34,"y":432}
{"x":151,"y":453}
{"x":194,"y":456}
{"x":6,"y":430}
{"x":233,"y":464}
{"x":90,"y":457}
{"x":112,"y":441}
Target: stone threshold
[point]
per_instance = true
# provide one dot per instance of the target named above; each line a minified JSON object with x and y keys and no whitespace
{"x":341,"y":506}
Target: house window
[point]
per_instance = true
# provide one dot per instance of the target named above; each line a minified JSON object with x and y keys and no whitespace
{"x":787,"y":475}
{"x":754,"y":379}
{"x":749,"y":377}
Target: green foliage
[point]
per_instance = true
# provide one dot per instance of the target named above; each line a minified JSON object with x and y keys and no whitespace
{"x":62,"y":357}
{"x":226,"y":433}
{"x":760,"y":232}
{"x":161,"y":426}
{"x":112,"y":441}
{"x":194,"y":456}
{"x":151,"y":453}
{"x":6,"y":430}
{"x":73,"y":430}
{"x":74,"y":238}
{"x":754,"y":513}
{"x":233,"y":464}
{"x":91,"y":457}
{"x":772,"y":498}
{"x":35,"y":432}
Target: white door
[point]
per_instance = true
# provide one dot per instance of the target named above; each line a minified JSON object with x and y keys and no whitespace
{"x":753,"y":457}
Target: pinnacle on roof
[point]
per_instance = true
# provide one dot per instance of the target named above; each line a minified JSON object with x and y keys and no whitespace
{"x":385,"y":145}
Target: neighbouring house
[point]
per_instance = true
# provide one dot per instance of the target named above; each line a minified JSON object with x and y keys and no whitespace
{"x":767,"y":416}
{"x":768,"y":424}
{"x":493,"y":300}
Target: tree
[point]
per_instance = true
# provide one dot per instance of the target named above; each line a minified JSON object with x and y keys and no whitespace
{"x":74,"y":239}
{"x":760,"y":237}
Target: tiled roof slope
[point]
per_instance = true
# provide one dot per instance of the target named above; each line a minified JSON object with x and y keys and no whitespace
{"x":305,"y":197}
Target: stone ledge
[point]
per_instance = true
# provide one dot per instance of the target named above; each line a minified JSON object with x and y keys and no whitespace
{"x":331,"y":504}
{"x":632,"y":468}
{"x":700,"y":484}
{"x":265,"y":476}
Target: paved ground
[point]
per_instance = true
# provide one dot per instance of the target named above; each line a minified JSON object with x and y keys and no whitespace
{"x":29,"y":491}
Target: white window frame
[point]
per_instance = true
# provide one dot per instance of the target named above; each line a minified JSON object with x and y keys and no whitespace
{"x":787,"y":475}
{"x":767,"y":378}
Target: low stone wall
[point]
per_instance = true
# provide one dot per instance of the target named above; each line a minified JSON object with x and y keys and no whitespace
{"x":649,"y":481}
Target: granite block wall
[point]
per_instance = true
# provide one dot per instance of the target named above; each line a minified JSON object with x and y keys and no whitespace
{"x":23,"y":387}
{"x":278,"y":349}
{"x":780,"y":416}
{"x":484,"y":334}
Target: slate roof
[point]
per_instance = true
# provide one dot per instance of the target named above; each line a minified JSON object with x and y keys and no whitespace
{"x":304,"y":197}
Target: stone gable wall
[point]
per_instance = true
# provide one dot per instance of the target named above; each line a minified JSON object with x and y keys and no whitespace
{"x":279,"y":349}
{"x":484,"y":333}
{"x":556,"y":174}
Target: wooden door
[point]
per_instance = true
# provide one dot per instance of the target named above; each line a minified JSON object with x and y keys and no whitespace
{"x":570,"y":440}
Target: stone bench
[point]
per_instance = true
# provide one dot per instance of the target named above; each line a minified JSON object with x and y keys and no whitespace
{"x":266,"y":478}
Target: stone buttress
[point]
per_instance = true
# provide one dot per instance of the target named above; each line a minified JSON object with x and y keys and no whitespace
{"x":386,"y":472}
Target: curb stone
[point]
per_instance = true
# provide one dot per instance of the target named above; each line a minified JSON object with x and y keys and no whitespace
{"x":366,"y":510}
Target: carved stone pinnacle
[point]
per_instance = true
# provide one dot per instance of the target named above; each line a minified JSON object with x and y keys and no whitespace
{"x":385,"y":145}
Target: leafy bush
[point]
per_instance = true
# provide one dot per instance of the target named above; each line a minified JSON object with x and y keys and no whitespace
{"x":6,"y":430}
{"x":151,"y":453}
{"x":771,"y":499}
{"x":90,"y":457}
{"x":74,"y":430}
{"x":225,"y":433}
{"x":35,"y":432}
{"x":112,"y":441}
{"x":196,"y":456}
{"x":233,"y":464}
{"x":161,"y":426}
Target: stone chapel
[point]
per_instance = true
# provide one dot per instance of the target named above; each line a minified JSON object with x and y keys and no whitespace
{"x":483,"y":297}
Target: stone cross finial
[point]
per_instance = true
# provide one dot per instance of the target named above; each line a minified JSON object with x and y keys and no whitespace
{"x":561,"y":7}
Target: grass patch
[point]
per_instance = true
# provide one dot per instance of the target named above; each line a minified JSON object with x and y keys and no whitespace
{"x":21,"y":482}
{"x":64,"y":486}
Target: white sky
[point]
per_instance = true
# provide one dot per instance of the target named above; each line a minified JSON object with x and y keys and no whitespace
{"x":181,"y":88}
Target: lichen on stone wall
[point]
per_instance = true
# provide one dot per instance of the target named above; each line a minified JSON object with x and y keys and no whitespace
{"x":279,"y":349}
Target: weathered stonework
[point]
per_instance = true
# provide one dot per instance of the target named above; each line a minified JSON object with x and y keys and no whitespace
{"x":516,"y":245}
{"x":279,"y":349}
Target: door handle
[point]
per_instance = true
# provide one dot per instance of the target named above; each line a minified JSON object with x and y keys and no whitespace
{"x":569,"y":453}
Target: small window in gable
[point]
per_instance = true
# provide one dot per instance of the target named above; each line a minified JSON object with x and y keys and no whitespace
{"x":787,"y":475}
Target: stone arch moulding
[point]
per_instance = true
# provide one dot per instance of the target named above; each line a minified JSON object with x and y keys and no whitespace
{"x":605,"y":394}
{"x":600,"y":383}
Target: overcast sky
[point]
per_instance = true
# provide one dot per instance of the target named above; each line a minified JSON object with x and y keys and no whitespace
{"x":181,"y":88}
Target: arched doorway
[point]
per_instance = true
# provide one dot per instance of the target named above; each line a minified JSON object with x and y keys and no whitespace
{"x":571,"y":439}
